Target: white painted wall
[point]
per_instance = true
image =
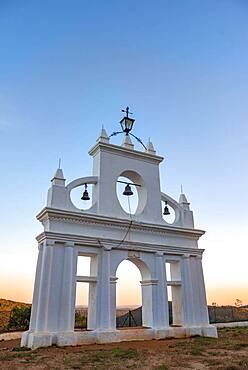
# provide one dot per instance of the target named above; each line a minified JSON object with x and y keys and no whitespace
{"x":101,"y":233}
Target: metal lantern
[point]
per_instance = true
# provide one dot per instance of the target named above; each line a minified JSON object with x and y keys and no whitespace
{"x":127,"y":122}
{"x":85,"y":193}
{"x":166,"y":209}
{"x":128,"y":190}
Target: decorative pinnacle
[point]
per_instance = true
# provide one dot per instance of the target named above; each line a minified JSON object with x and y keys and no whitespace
{"x":183,"y":200}
{"x":150,"y":148}
{"x":58,"y":178}
{"x":103,"y":137}
{"x":127,"y":143}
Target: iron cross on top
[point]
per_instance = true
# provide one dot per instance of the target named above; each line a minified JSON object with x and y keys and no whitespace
{"x":126,"y":111}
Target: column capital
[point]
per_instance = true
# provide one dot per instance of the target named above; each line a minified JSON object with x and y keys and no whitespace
{"x":149,"y":282}
{"x":159,"y":254}
{"x":49,"y":243}
{"x":133,"y":254}
{"x":69,"y":244}
{"x":186,"y":255}
{"x":113,"y":279}
{"x":106,"y":248}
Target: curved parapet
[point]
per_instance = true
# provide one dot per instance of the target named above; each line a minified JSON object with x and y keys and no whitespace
{"x":89,"y":180}
{"x":175,"y":206}
{"x":59,"y":195}
{"x":81,"y":181}
{"x":183,"y":217}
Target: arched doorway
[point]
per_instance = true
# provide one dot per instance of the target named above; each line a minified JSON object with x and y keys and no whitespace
{"x":133,"y":294}
{"x":128,"y":295}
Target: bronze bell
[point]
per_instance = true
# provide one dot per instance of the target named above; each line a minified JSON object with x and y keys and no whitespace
{"x":128,"y":190}
{"x":85,"y":193}
{"x":166,"y":210}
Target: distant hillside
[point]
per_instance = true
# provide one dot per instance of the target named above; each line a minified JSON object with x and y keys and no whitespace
{"x":6,"y":306}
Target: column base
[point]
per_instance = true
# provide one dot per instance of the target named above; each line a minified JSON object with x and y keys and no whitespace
{"x":75,"y":338}
{"x":210,"y":331}
{"x":37,"y":340}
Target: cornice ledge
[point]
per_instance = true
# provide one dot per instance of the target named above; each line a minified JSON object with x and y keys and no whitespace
{"x":77,"y":217}
{"x":124,"y":151}
{"x":128,"y":245}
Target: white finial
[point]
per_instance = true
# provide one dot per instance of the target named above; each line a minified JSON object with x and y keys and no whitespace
{"x":103,"y":137}
{"x":58,"y":178}
{"x":183,"y":200}
{"x":127,"y":142}
{"x":150,"y":148}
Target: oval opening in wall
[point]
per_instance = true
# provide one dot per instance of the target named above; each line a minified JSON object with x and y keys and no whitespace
{"x":128,"y":203}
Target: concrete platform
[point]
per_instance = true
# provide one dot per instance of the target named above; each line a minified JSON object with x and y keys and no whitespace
{"x":36,"y":340}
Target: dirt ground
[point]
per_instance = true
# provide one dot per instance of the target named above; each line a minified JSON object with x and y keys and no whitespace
{"x":228,"y":352}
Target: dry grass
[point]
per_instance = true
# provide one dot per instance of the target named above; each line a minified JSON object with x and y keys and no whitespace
{"x":228,"y":352}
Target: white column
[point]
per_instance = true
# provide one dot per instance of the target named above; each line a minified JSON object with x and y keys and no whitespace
{"x":92,"y":298}
{"x":35,"y":300}
{"x":188,"y":291}
{"x":56,"y":287}
{"x":147,"y":299}
{"x":194,"y":295}
{"x":113,"y":281}
{"x":92,"y":306}
{"x":176,"y":293}
{"x":68,"y":293}
{"x":160,"y":298}
{"x":104,"y":309}
{"x":188,"y":294}
{"x":54,"y":294}
{"x":43,"y":290}
{"x":177,"y":305}
{"x":201,"y":313}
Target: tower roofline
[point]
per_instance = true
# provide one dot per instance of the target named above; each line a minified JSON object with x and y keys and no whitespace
{"x":120,"y":150}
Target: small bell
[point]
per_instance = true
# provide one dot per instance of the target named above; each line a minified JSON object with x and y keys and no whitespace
{"x":128,"y":190}
{"x":166,"y":210}
{"x":85,"y":193}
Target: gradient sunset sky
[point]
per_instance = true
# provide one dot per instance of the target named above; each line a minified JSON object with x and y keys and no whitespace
{"x":67,"y":67}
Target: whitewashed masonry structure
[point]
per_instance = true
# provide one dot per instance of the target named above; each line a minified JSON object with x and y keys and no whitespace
{"x":101,"y":234}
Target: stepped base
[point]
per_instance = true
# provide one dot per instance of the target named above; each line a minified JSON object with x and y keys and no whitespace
{"x":74,"y":338}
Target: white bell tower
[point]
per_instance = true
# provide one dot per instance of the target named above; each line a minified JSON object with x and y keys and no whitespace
{"x":142,"y":168}
{"x":106,"y":234}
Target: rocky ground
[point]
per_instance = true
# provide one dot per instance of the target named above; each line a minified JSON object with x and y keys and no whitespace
{"x":228,"y":352}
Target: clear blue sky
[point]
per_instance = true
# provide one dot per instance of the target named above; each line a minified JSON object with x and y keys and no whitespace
{"x":67,"y":67}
